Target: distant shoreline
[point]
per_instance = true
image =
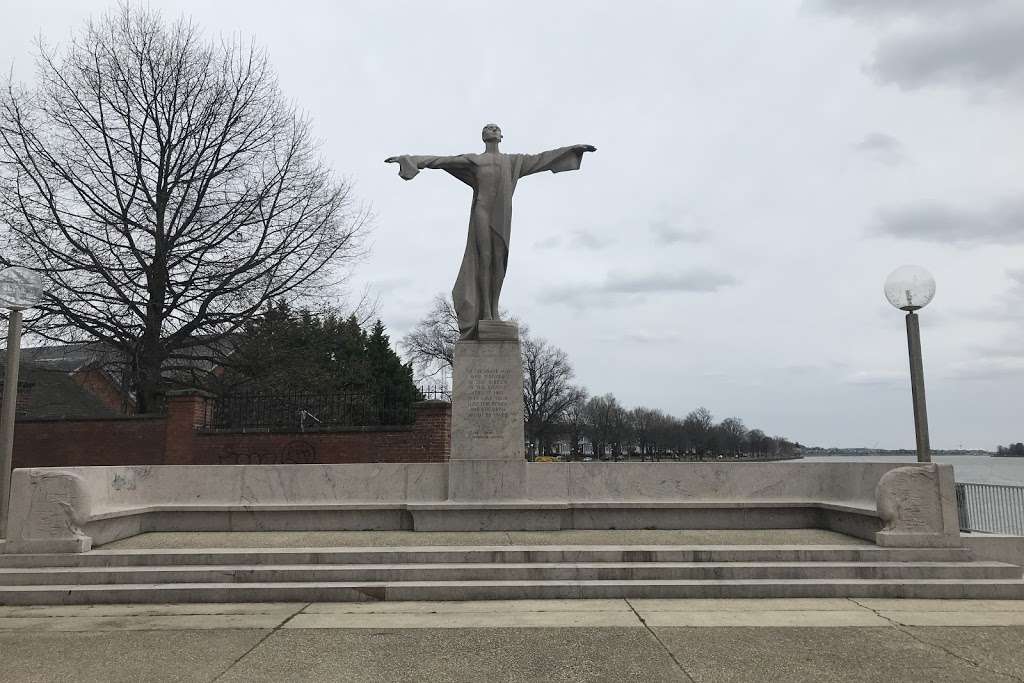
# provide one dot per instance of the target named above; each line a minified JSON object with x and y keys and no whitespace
{"x":897,"y":454}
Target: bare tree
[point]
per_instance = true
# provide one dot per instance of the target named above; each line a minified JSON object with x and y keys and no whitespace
{"x":757,"y":442}
{"x":780,"y":445}
{"x":165,"y":190}
{"x":430,"y":346}
{"x":668,"y":435}
{"x":698,"y":427}
{"x":732,"y":435}
{"x":645,"y":423}
{"x":548,"y":391}
{"x":606,"y":424}
{"x":574,"y":424}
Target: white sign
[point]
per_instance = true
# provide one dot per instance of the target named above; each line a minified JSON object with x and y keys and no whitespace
{"x":20,"y":288}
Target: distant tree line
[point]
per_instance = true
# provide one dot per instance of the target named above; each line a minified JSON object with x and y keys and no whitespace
{"x":1015,"y":449}
{"x":558,"y":411}
{"x":613,"y":431}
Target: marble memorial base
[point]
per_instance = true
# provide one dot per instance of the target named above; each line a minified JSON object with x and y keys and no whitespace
{"x":487,"y":460}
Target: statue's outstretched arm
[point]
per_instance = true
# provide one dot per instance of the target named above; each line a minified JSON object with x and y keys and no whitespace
{"x":409,"y":165}
{"x":555,"y":160}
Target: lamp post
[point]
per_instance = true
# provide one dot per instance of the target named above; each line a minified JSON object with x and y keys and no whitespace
{"x":910,"y":288}
{"x":20,"y":288}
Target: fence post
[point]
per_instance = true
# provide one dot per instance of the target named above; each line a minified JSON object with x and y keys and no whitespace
{"x":187,"y":409}
{"x":961,"y":508}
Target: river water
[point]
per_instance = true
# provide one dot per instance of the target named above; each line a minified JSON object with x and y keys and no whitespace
{"x":972,"y":469}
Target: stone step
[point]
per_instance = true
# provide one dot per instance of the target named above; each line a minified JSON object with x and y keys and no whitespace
{"x":508,"y":590}
{"x":494,"y":554}
{"x":511,"y":571}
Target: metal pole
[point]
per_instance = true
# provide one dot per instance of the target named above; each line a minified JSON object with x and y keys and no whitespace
{"x":10,"y":403}
{"x":917,"y":388}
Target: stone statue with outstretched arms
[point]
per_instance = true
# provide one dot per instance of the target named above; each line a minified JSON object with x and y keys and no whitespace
{"x":493,"y":176}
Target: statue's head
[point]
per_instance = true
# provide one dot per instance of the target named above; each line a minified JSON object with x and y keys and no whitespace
{"x":491,"y":132}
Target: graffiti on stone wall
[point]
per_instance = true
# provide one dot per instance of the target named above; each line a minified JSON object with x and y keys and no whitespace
{"x":295,"y":452}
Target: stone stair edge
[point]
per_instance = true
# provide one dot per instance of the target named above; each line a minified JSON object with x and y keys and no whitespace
{"x":504,"y":590}
{"x":411,"y":566}
{"x":121,"y":587}
{"x":485,"y":548}
{"x":497,"y":554}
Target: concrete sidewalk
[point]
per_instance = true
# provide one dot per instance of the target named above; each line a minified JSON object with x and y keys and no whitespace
{"x":556,"y":640}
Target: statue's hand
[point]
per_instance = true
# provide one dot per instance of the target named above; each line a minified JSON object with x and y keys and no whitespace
{"x":587,"y":148}
{"x":391,"y":160}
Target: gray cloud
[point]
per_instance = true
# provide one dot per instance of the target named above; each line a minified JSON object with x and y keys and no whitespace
{"x":1012,"y":307}
{"x":875,"y":142}
{"x":876,"y":378}
{"x":986,"y":368}
{"x":642,"y":336}
{"x":888,"y":9}
{"x":881,"y":147}
{"x":618,"y":285}
{"x":577,"y":239}
{"x":666,"y":233}
{"x":386,"y":285}
{"x":1007,"y":347}
{"x":973,"y":44}
{"x":1003,"y":223}
{"x":1017,"y":275}
{"x":548,"y":242}
{"x":974,"y":53}
{"x":1004,"y":356}
{"x":694,"y":280}
{"x":587,"y":239}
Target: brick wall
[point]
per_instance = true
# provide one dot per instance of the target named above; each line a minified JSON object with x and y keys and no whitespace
{"x":22,"y":398}
{"x":102,"y":441}
{"x":180,"y":439}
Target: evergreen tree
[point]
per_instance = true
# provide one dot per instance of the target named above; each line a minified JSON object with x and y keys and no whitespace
{"x":285,"y":350}
{"x":387,"y":368}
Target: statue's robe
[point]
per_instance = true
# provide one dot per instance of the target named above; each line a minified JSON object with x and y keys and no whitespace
{"x":467,"y":294}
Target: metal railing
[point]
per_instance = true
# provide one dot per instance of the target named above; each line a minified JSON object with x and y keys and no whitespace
{"x":435,"y":392}
{"x":991,"y":508}
{"x":299,"y":412}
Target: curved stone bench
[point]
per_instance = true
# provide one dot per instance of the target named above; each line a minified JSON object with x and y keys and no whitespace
{"x":72,"y":509}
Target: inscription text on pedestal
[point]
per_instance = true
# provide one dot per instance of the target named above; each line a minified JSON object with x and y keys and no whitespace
{"x":486,"y":398}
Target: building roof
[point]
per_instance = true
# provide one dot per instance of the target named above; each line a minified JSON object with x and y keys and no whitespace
{"x":68,"y":357}
{"x":45,"y":393}
{"x":48,"y":386}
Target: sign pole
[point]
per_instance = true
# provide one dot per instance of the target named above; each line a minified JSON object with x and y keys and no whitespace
{"x":10,"y":403}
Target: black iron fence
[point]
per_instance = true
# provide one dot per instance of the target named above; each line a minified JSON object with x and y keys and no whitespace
{"x":991,"y":508}
{"x":435,"y":392}
{"x":299,"y":412}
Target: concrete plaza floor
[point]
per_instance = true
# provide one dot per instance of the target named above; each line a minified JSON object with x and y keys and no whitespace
{"x":555,"y":640}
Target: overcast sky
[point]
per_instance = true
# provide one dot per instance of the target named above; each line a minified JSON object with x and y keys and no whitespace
{"x":761,"y":168}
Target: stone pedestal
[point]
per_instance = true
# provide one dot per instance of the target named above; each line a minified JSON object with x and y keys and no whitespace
{"x":487,"y":460}
{"x":917,"y":504}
